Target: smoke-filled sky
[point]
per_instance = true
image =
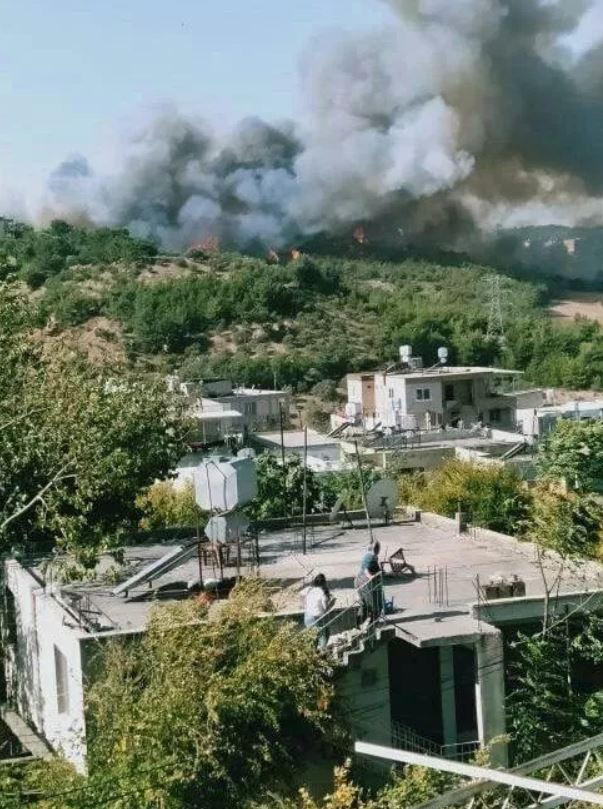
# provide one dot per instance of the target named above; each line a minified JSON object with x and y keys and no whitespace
{"x":426,"y":118}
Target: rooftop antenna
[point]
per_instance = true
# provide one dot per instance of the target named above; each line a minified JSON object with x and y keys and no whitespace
{"x":496,"y":328}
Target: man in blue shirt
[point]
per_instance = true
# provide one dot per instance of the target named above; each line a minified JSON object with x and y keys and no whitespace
{"x":372,"y":555}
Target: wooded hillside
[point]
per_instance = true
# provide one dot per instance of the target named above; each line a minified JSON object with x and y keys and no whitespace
{"x":294,"y":322}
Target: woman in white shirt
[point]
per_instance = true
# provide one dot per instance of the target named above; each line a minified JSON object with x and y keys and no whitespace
{"x":318,"y":602}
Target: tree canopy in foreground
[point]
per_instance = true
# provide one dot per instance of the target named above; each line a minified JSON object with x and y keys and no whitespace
{"x":212,"y":714}
{"x":77,"y":443}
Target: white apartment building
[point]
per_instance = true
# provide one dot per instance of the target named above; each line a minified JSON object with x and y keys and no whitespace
{"x":260,"y":409}
{"x":223,"y":409}
{"x":423,"y":399}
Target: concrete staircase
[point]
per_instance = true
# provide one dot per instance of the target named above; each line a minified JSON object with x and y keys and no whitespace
{"x":349,"y":646}
{"x":28,"y":738}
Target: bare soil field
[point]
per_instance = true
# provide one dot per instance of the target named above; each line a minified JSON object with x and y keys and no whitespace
{"x":580,"y":304}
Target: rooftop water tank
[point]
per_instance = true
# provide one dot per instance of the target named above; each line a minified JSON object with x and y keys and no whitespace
{"x":222,"y":484}
{"x":222,"y":528}
{"x":405,"y":353}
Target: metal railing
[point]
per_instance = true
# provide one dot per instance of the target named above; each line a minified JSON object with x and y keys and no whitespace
{"x":461,"y":751}
{"x":345,"y":622}
{"x":405,"y":738}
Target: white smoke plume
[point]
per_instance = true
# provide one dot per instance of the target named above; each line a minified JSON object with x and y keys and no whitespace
{"x":465,"y":115}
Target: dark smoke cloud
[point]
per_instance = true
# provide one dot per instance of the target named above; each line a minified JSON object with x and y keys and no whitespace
{"x":463,"y":116}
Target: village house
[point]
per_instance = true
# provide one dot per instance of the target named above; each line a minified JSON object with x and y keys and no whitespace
{"x":430,"y":675}
{"x":224,"y":410}
{"x":322,"y":452}
{"x":443,"y":396}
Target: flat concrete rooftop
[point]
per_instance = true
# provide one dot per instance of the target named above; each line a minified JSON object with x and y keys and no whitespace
{"x":294,"y":439}
{"x":337,"y":551}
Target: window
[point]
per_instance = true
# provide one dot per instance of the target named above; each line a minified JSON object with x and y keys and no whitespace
{"x":251,"y":408}
{"x":390,"y":393}
{"x":423,"y":395}
{"x":62,"y":681}
{"x":448,"y":393}
{"x":494,"y":414}
{"x":10,"y":616}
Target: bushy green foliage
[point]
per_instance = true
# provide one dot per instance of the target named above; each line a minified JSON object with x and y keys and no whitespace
{"x":282,"y":495}
{"x":281,"y":489}
{"x":212,"y":713}
{"x":491,"y":496}
{"x":165,"y":506}
{"x":326,"y":390}
{"x":573,"y":452}
{"x":173,"y":313}
{"x":38,"y":254}
{"x":568,"y":523}
{"x":68,"y":304}
{"x":347,"y":485}
{"x":548,"y":705}
{"x":418,"y":784}
{"x":77,"y":444}
{"x":164,"y":316}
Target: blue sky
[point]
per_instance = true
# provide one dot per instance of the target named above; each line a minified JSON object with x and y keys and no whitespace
{"x":72,"y":72}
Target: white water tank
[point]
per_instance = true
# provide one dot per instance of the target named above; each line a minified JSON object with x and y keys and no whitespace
{"x":443,"y":355}
{"x":222,"y":484}
{"x":405,"y":354}
{"x":223,"y":528}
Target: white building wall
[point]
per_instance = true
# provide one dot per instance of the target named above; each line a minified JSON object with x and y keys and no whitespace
{"x":42,"y":625}
{"x":354,"y":390}
{"x":419,"y":407}
{"x":365,"y":690}
{"x":390,"y":399}
{"x":325,"y":452}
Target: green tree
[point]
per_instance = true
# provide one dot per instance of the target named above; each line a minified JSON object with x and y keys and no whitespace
{"x":213,"y":713}
{"x":548,"y":706}
{"x":164,"y":506}
{"x":77,"y":444}
{"x":348,"y":486}
{"x":281,"y":489}
{"x":568,"y":523}
{"x":573,"y":452}
{"x":492,"y":496}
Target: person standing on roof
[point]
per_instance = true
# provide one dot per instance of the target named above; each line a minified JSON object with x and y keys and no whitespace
{"x":371,"y":555}
{"x":318,"y":602}
{"x":369,"y":584}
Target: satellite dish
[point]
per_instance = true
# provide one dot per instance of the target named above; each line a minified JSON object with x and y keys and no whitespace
{"x":381,"y":498}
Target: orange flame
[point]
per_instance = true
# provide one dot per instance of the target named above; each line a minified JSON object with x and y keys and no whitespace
{"x":211,"y":244}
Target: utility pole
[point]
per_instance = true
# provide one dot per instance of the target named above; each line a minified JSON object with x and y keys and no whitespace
{"x":305,"y":498}
{"x":362,"y":490}
{"x":283,"y":467}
